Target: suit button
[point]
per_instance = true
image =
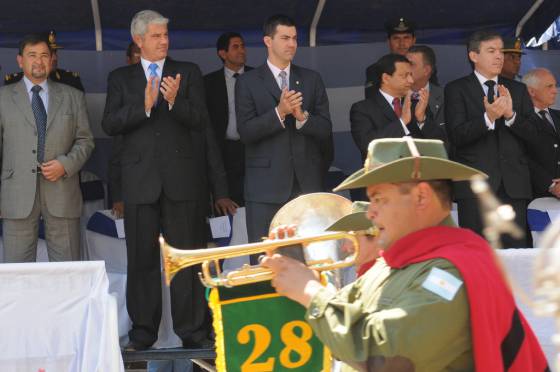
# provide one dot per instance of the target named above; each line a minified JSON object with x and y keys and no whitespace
{"x":34,"y":151}
{"x":555,"y":145}
{"x":157,"y":133}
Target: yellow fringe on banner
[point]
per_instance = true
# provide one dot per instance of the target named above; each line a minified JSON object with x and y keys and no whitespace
{"x":214,"y":303}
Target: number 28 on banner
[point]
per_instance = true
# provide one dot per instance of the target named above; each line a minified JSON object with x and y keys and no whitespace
{"x":295,"y":353}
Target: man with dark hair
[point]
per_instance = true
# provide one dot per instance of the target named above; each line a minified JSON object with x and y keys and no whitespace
{"x":424,"y":73}
{"x":45,"y":141}
{"x":512,"y":59}
{"x":282,"y":117}
{"x":544,"y":144}
{"x":436,"y":300}
{"x":56,"y":74}
{"x":384,"y":114}
{"x":220,"y":100}
{"x":400,"y":37}
{"x":133,"y":54}
{"x":486,"y":120}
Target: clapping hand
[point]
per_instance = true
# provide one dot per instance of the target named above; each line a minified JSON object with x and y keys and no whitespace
{"x":170,"y":87}
{"x":151,"y":93}
{"x":420,"y":110}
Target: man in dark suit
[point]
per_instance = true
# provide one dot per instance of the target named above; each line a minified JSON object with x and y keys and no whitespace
{"x":486,"y":120}
{"x":220,"y":100}
{"x":384,"y":115}
{"x":158,"y":107}
{"x":400,"y":37}
{"x":543,"y":145}
{"x":282,"y":117}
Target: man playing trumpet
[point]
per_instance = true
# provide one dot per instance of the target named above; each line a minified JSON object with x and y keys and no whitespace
{"x":436,"y":300}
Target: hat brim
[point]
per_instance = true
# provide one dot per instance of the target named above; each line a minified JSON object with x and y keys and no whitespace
{"x":401,"y":170}
{"x":513,"y":51}
{"x":356,"y":221}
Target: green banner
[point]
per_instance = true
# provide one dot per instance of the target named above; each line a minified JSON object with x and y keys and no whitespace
{"x":258,"y":330}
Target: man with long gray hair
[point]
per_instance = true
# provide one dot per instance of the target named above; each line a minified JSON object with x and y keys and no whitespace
{"x":158,"y":107}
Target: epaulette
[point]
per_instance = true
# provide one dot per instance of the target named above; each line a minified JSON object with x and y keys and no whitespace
{"x":11,"y":76}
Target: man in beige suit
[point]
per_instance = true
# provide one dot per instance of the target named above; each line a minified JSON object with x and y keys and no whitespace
{"x":44,"y":141}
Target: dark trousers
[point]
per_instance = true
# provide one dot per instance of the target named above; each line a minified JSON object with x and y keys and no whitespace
{"x":470,"y":217}
{"x":182,"y":225}
{"x":234,"y":164}
{"x":259,"y":216}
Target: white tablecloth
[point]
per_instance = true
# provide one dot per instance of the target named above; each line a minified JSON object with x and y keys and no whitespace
{"x":57,"y":316}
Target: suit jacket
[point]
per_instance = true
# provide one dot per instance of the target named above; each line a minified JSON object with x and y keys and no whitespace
{"x":369,"y":90}
{"x":374,"y":118}
{"x":543,"y":147}
{"x":500,"y":153}
{"x":68,"y":140}
{"x":217,"y":102}
{"x":275,"y":154}
{"x":165,"y":152}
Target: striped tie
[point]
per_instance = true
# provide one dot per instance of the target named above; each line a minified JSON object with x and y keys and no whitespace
{"x":41,"y":120}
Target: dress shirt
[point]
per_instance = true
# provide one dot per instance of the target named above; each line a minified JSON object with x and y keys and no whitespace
{"x":390,"y":99}
{"x":43,"y":94}
{"x":231,"y":130}
{"x":491,"y":124}
{"x":146,"y":66}
{"x":548,"y":117}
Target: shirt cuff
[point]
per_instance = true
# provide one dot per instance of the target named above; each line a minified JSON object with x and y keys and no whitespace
{"x":319,"y":303}
{"x":300,"y":124}
{"x":148,"y":113}
{"x":510,"y":122}
{"x":421,"y":125}
{"x":170,"y":105}
{"x":404,"y":127}
{"x":279,"y":117}
{"x":489,"y":124}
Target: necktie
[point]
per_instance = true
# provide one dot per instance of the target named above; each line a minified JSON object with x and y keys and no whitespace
{"x":397,"y":106}
{"x":415,"y":96}
{"x":283,"y":80}
{"x":542,"y":113}
{"x":153,"y":70}
{"x":41,"y":120}
{"x":490,"y":84}
{"x":235,"y":75}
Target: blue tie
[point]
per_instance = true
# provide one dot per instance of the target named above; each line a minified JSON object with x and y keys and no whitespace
{"x":41,"y":120}
{"x":153,"y":70}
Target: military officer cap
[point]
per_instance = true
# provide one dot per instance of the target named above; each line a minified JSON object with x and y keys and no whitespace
{"x":398,"y":160}
{"x":52,"y":41}
{"x":399,"y":25}
{"x":356,"y":220}
{"x":513,"y":46}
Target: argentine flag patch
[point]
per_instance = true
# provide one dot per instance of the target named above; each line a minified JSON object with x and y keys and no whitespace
{"x":442,"y":283}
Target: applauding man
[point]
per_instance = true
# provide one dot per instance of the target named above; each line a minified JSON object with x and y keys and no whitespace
{"x":486,"y":121}
{"x":282,"y":117}
{"x":158,"y":107}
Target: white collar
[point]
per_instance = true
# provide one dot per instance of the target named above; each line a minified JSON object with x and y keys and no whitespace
{"x":229,"y":72}
{"x":146,"y":64}
{"x":29,"y":85}
{"x":388,"y":97}
{"x":276,"y":71}
{"x":482,"y":79}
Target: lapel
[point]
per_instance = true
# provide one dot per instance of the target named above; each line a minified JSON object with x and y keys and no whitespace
{"x":22,"y":102}
{"x":436,"y":100}
{"x":555,"y":114}
{"x":137,"y":80}
{"x":223,"y":90}
{"x":476,"y":92}
{"x":384,"y":106}
{"x":295,"y":79}
{"x":545,"y":124}
{"x":55,"y":101}
{"x":269,"y":81}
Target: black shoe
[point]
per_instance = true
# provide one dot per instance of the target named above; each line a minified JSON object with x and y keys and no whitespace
{"x":205,"y":343}
{"x":135,"y":346}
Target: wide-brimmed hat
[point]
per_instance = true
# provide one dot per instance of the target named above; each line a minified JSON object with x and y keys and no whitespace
{"x":354,"y":221}
{"x":397,"y":160}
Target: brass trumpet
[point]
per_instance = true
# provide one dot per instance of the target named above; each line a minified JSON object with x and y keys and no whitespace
{"x":312,"y":213}
{"x":175,"y":260}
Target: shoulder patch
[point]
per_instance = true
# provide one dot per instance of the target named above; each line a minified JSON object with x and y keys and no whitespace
{"x":442,"y":283}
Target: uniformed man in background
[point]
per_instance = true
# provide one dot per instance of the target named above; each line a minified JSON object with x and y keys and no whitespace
{"x":513,"y":53}
{"x":57,"y":74}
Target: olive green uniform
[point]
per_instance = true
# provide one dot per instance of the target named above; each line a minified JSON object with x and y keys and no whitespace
{"x":386,"y":321}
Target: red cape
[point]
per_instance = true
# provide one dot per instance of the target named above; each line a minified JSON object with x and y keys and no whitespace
{"x":502,"y":338}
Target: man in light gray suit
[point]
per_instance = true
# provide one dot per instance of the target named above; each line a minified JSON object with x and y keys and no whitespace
{"x":282,"y":118}
{"x":45,"y":140}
